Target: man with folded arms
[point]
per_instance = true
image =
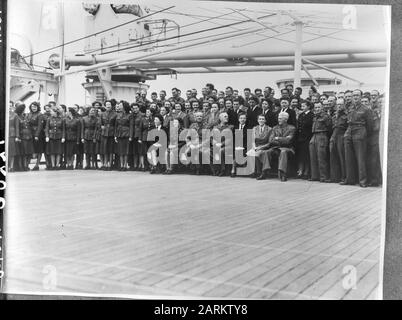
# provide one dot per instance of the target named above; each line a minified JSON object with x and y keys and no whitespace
{"x":280,"y":146}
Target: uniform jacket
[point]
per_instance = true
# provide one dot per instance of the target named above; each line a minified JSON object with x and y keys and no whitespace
{"x":146,"y":124}
{"x":24,"y":128}
{"x":35,"y":121}
{"x":73,"y":129}
{"x":137,"y":119}
{"x":322,"y":123}
{"x":89,"y":127}
{"x":183,"y":116}
{"x":124,"y":125}
{"x":339,"y":123}
{"x":108,"y":122}
{"x":14,"y":126}
{"x":55,"y":128}
{"x":376,"y":113}
{"x":360,"y":116}
{"x":305,"y":126}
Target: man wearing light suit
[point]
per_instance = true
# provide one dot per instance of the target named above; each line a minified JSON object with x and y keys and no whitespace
{"x":280,"y":146}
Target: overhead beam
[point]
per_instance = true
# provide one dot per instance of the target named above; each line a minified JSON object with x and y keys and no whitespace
{"x":310,"y":75}
{"x":332,"y":71}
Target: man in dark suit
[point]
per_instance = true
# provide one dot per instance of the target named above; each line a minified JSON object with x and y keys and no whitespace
{"x":254,"y":111}
{"x":242,"y":128}
{"x":285,"y":108}
{"x":271,"y":117}
{"x":304,"y":134}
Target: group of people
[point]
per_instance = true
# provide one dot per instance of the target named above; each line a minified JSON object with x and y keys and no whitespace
{"x":322,"y":137}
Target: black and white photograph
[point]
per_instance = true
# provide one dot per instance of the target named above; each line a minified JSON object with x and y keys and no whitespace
{"x":196,"y":149}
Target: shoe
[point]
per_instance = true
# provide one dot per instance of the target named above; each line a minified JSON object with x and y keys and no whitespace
{"x":261,"y":177}
{"x":328,"y":181}
{"x":363,"y":185}
{"x":253,"y":175}
{"x":284,"y":178}
{"x":36,"y":168}
{"x":373,"y":184}
{"x":87,"y":168}
{"x":221,"y":174}
{"x":343,"y":183}
{"x":233,"y":175}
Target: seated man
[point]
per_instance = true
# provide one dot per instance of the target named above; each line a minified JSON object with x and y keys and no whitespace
{"x":261,"y":138}
{"x":280,"y":146}
{"x":195,"y":143}
{"x":221,"y":149}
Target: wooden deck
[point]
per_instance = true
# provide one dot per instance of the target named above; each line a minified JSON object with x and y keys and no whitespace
{"x":190,"y":236}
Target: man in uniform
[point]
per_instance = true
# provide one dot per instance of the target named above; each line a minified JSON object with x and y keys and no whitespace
{"x":319,"y":145}
{"x":177,"y":112}
{"x":175,"y":98}
{"x":373,"y":142}
{"x":360,"y":125}
{"x":280,"y":147}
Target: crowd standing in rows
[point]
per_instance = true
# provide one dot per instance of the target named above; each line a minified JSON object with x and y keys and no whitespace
{"x":322,"y":137}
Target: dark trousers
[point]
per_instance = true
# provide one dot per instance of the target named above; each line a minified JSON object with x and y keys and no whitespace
{"x":303,"y":157}
{"x":337,"y":157}
{"x":356,"y":152}
{"x":319,"y":156}
{"x":373,"y":158}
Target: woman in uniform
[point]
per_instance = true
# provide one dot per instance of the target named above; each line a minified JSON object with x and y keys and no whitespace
{"x":26,"y":137}
{"x":35,"y":121}
{"x":123,"y":132}
{"x":107,"y":122}
{"x":81,"y":113}
{"x":55,"y":136}
{"x":13,"y":138}
{"x":145,"y":125}
{"x":73,"y":134}
{"x":88,"y":137}
{"x":46,"y":115}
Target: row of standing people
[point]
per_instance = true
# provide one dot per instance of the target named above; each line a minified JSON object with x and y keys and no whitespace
{"x":121,"y":136}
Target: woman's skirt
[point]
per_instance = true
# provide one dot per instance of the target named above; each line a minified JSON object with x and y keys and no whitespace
{"x":135,"y":147}
{"x":39,"y":145}
{"x":107,"y":145}
{"x":122,"y":146}
{"x":27,"y":147}
{"x":71,"y":148}
{"x":89,"y":147}
{"x":14,"y":148}
{"x":54,"y":146}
